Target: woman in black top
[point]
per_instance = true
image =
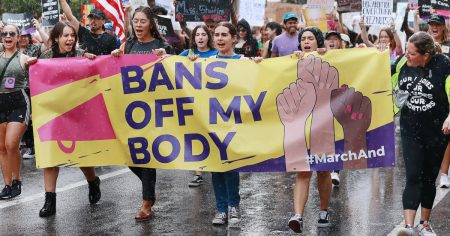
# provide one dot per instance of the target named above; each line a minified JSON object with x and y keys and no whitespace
{"x":146,"y":39}
{"x":246,"y":45}
{"x":424,"y":125}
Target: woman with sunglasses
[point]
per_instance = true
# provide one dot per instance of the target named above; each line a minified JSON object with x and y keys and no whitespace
{"x":146,"y":39}
{"x":63,"y":38}
{"x":14,"y":110}
{"x":246,"y":45}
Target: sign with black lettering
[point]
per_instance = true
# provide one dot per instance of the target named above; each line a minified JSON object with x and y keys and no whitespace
{"x":50,"y":12}
{"x":166,"y":29}
{"x":377,"y":12}
{"x":442,"y":7}
{"x":22,"y":20}
{"x":424,"y":8}
{"x":202,"y":10}
{"x":349,"y":5}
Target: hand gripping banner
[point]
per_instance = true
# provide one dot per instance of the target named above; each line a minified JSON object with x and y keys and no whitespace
{"x":326,"y":112}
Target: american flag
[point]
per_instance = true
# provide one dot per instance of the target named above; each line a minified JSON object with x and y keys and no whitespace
{"x":115,"y":12}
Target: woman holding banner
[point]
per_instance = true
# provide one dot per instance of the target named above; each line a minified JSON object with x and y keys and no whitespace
{"x":425,"y":125}
{"x":14,"y":110}
{"x":63,"y":38}
{"x":146,"y":39}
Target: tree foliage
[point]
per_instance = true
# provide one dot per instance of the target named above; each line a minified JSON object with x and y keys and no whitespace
{"x":34,"y":6}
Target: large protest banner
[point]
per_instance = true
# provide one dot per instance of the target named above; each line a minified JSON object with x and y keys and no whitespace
{"x":50,"y":12}
{"x":22,"y":20}
{"x":348,"y":5}
{"x":252,"y":11}
{"x":441,"y":6}
{"x":282,"y":114}
{"x":201,"y":10}
{"x":377,"y":12}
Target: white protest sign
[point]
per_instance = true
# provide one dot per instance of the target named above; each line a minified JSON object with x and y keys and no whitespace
{"x":377,"y":12}
{"x":252,"y":11}
{"x":321,"y":4}
{"x":168,"y":4}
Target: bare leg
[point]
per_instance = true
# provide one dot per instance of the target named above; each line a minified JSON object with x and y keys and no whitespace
{"x":301,"y":191}
{"x":425,"y":214}
{"x":409,"y":217}
{"x":446,"y":161}
{"x":14,"y":133}
{"x":89,"y":173}
{"x":324,"y":187}
{"x":6,"y":171}
{"x":50,"y":178}
{"x":198,"y":173}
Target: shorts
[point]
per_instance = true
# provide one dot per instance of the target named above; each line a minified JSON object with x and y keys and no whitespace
{"x":15,"y":107}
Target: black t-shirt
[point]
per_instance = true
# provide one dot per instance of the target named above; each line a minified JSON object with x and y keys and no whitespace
{"x":135,"y":47}
{"x":102,"y":44}
{"x":427,"y":106}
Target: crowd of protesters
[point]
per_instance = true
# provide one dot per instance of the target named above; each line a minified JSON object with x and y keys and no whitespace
{"x":423,"y":131}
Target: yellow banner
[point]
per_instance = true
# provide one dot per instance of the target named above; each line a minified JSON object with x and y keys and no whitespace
{"x":284,"y":114}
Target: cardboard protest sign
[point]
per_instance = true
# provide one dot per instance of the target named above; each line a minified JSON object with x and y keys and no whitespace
{"x":50,"y":12}
{"x":377,"y":12}
{"x":166,"y":29}
{"x":201,"y":10}
{"x":252,"y":11}
{"x":349,"y":5}
{"x":316,"y":17}
{"x":442,"y":7}
{"x":328,"y":5}
{"x":22,"y":20}
{"x":275,"y":10}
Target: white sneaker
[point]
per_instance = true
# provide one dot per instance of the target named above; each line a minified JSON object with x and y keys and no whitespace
{"x":335,"y":178}
{"x":425,"y":229}
{"x":406,"y":231}
{"x":28,"y":154}
{"x":220,"y":218}
{"x":234,"y":215}
{"x":444,"y":181}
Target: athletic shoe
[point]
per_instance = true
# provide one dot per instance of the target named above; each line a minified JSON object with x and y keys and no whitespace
{"x":16,"y":188}
{"x":425,"y":229}
{"x":406,"y":231}
{"x":220,"y":218}
{"x":197,"y":181}
{"x":29,"y":153}
{"x":94,"y":191}
{"x":324,"y":219}
{"x":335,"y":178}
{"x":444,"y":181}
{"x":6,"y":192}
{"x":234,"y":215}
{"x":296,"y":223}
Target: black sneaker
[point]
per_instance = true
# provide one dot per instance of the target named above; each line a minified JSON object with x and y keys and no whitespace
{"x":16,"y":188}
{"x":197,"y":181}
{"x":324,"y":219}
{"x":94,"y":190}
{"x":6,"y":192}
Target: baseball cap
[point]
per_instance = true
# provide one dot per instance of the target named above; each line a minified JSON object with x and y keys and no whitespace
{"x":289,"y":15}
{"x":329,"y":33}
{"x":346,"y":38}
{"x":439,"y":19}
{"x":97,"y":13}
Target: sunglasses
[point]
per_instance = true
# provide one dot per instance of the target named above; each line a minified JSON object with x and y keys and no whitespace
{"x":242,"y":30}
{"x":11,"y":33}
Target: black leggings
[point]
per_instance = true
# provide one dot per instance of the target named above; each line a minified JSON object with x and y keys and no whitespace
{"x":148,"y":179}
{"x":423,"y":159}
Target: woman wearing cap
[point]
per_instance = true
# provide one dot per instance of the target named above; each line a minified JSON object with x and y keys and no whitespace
{"x":425,"y":125}
{"x":311,"y":39}
{"x":387,"y":38}
{"x":14,"y":110}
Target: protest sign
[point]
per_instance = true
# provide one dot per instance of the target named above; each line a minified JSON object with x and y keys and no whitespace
{"x":424,"y":8}
{"x":252,"y":11}
{"x":328,"y":5}
{"x":442,"y":7}
{"x":166,"y":29}
{"x":377,"y":12}
{"x":173,"y":113}
{"x":275,"y":10}
{"x":316,"y":17}
{"x":137,"y":3}
{"x":349,"y":5}
{"x":85,"y":11}
{"x":22,"y":20}
{"x":167,"y":4}
{"x":201,"y":10}
{"x":50,"y":12}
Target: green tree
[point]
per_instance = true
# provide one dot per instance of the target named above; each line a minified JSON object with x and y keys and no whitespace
{"x":34,"y":6}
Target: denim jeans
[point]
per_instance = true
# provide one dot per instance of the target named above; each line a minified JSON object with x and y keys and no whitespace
{"x":226,"y":190}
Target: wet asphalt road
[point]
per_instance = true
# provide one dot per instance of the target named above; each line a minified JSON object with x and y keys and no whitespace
{"x":368,"y":202}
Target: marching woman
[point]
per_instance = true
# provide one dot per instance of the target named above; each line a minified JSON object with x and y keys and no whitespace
{"x":63,"y":38}
{"x":201,"y":46}
{"x":14,"y":110}
{"x":424,"y":125}
{"x":145,"y":39}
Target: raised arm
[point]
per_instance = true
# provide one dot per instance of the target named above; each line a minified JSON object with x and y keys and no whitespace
{"x":364,"y":35}
{"x":69,"y":15}
{"x":416,"y":20}
{"x":398,"y":42}
{"x":234,"y":19}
